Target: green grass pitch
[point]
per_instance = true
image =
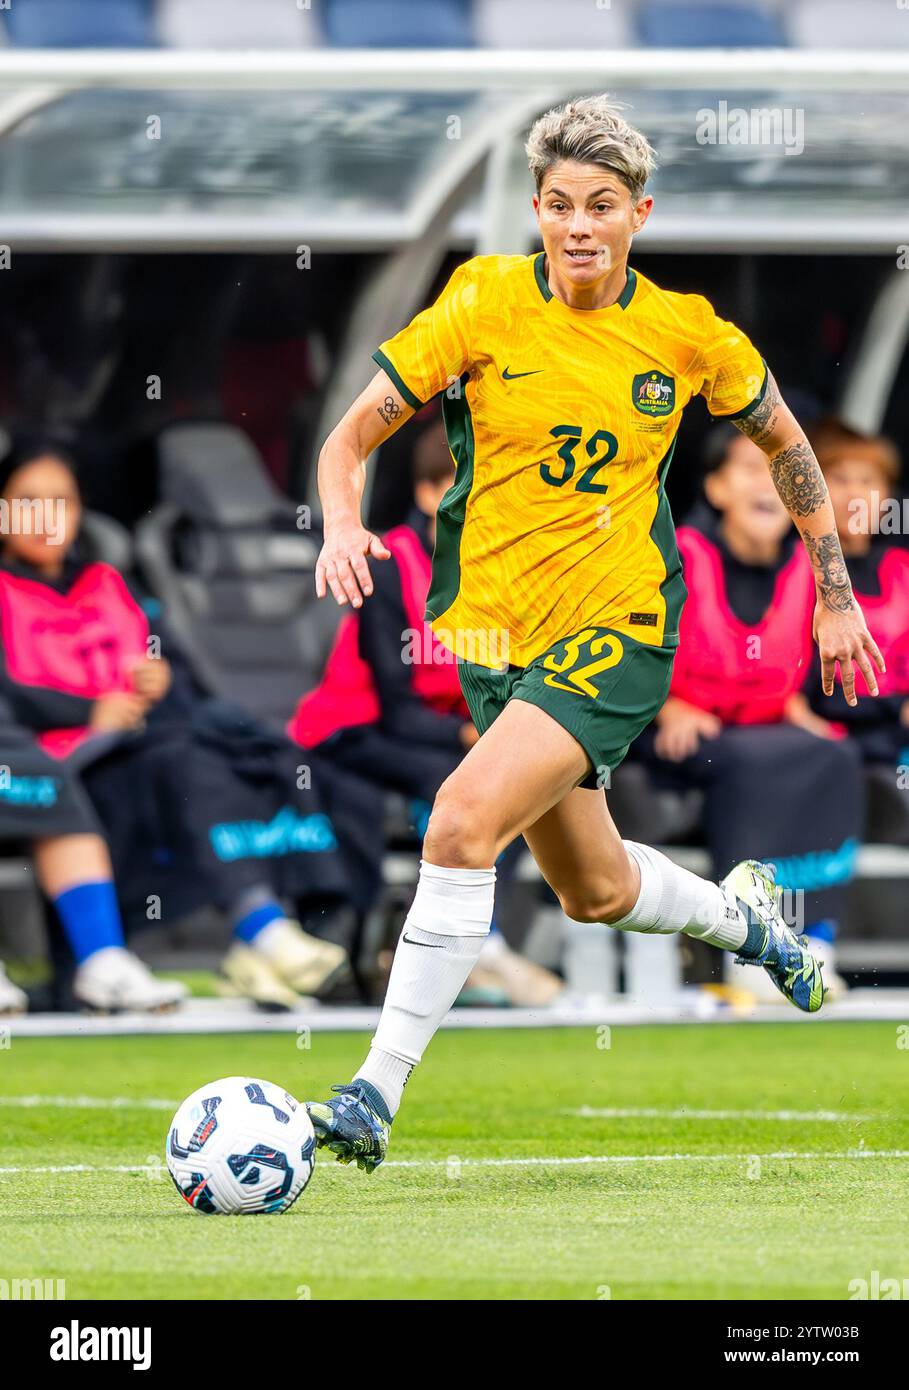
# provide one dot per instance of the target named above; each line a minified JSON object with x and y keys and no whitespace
{"x":440,"y":1220}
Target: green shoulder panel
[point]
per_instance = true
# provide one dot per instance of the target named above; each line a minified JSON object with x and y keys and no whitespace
{"x":446,"y":560}
{"x":662,"y":533}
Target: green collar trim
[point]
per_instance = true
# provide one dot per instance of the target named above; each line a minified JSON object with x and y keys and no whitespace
{"x":624,"y":299}
{"x":540,"y":274}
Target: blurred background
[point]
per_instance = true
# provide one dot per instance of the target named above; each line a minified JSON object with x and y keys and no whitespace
{"x":213,"y":212}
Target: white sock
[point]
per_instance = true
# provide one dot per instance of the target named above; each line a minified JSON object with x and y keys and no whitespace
{"x":442,"y":938}
{"x":673,"y":899}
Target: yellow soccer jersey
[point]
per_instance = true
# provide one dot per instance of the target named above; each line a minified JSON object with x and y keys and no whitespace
{"x":561,"y":423}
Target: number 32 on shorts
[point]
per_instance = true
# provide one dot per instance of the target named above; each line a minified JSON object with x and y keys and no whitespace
{"x":568,"y":674}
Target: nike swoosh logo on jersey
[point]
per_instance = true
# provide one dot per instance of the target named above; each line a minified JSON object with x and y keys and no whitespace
{"x":430,"y":946}
{"x":512,"y":376}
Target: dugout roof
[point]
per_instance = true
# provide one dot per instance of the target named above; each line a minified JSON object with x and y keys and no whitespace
{"x":368,"y":151}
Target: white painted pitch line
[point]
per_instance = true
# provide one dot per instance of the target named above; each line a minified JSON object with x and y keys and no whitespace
{"x":633,"y":1158}
{"x":585,"y":1112}
{"x":454,"y":1161}
{"x":88,"y":1103}
{"x":589,"y":1112}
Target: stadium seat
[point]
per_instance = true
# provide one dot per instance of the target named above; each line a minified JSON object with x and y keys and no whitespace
{"x":102,"y":538}
{"x":888,"y":811}
{"x":843,"y":24}
{"x":397,"y":24}
{"x":642,"y":810}
{"x":212,"y":24}
{"x":570,"y":24}
{"x":663,"y":24}
{"x":88,"y":24}
{"x":233,"y":572}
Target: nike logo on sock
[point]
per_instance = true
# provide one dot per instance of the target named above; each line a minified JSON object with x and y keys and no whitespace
{"x":430,"y":946}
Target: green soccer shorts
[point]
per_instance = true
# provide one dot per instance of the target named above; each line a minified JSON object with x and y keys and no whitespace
{"x":602,"y":686}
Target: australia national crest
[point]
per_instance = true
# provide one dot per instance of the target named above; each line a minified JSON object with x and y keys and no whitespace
{"x":653,"y":393}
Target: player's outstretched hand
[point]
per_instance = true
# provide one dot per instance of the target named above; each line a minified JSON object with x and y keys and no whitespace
{"x":342,"y":568}
{"x":844,"y":638}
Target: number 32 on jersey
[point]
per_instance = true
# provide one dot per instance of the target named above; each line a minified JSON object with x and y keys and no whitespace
{"x":579,"y":677}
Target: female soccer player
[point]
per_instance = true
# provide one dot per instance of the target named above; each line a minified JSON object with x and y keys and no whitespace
{"x":557,"y":580}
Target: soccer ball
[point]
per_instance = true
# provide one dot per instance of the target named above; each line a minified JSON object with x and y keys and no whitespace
{"x":240,"y":1147}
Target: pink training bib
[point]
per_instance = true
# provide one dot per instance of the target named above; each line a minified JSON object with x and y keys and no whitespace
{"x":346,"y":697}
{"x":82,"y":642}
{"x":743,"y":673}
{"x":887,"y":616}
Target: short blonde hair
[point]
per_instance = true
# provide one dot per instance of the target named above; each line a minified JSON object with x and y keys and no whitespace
{"x":591,"y":131}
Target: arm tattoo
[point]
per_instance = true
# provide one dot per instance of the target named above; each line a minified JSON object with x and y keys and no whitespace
{"x":800,"y":483}
{"x":798,"y":479}
{"x":389,"y":410}
{"x":830,"y":570}
{"x":761,"y":422}
{"x":795,"y":472}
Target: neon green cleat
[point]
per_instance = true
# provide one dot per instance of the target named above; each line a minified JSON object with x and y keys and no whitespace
{"x":786,"y":958}
{"x":354,"y":1124}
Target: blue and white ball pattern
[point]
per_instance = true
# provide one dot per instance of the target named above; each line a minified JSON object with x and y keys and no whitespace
{"x":240,"y":1147}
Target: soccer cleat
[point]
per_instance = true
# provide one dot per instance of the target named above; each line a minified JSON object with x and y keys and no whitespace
{"x":824,"y":952}
{"x":13,"y":1000}
{"x":354,"y":1125}
{"x":113,"y":979}
{"x":785,"y":957}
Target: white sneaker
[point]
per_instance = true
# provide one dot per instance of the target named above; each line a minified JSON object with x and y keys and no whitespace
{"x":525,"y":984}
{"x":113,"y":979}
{"x":305,"y":963}
{"x":249,"y":974}
{"x":13,"y":1000}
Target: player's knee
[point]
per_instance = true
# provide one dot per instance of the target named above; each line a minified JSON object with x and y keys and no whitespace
{"x":603,"y":902}
{"x":458,"y":835}
{"x":579,"y":907}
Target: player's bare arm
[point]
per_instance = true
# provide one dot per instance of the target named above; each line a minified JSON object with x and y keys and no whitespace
{"x":839,"y":625}
{"x":342,"y":566}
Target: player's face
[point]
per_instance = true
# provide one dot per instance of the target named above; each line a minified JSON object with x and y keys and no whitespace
{"x":742,"y":490}
{"x":42,"y":513}
{"x":587,"y":219}
{"x":851,"y":482}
